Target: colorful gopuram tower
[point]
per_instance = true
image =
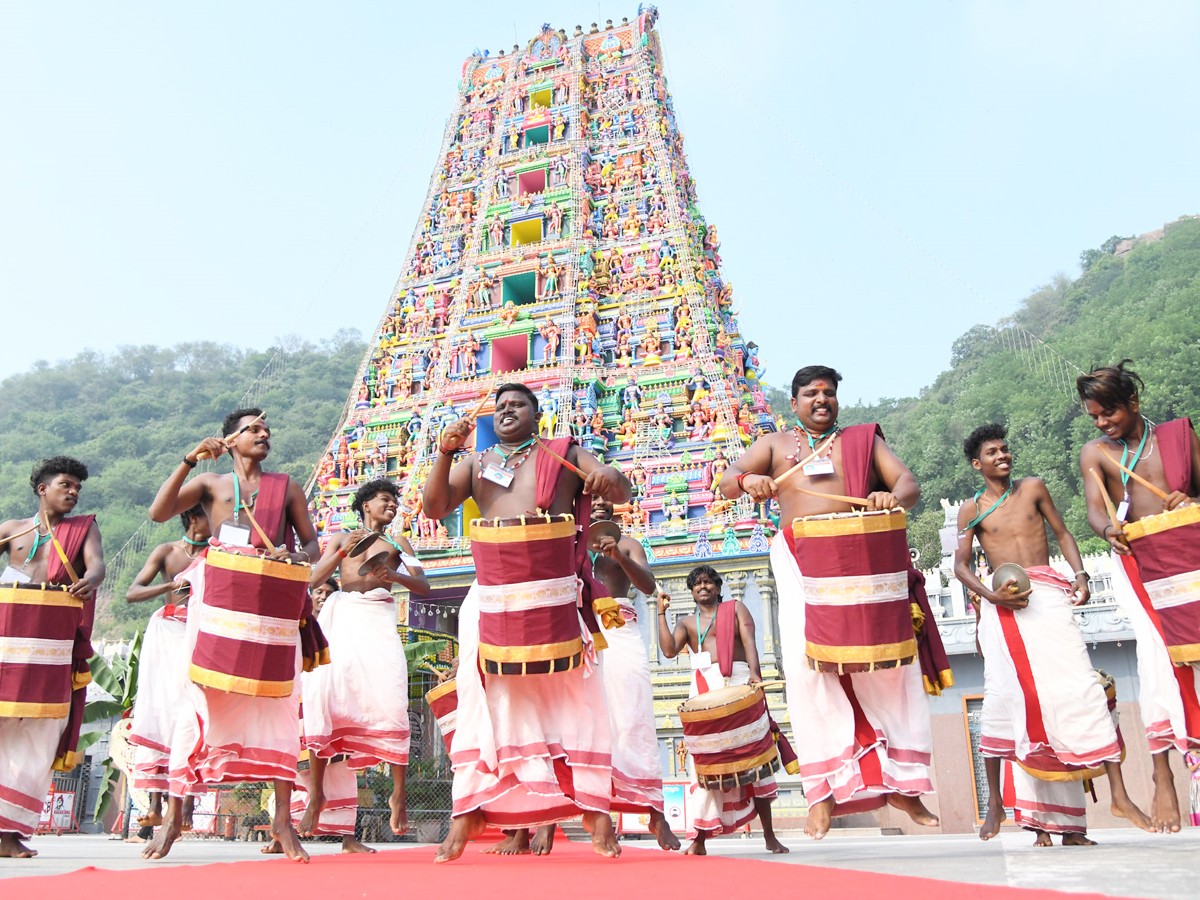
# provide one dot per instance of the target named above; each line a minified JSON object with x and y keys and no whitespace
{"x":560,"y":245}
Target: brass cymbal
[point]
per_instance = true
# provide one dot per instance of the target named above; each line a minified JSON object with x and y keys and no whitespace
{"x":365,"y":568}
{"x":601,"y":529}
{"x":1010,"y":572}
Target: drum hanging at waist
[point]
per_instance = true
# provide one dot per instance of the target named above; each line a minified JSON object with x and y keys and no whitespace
{"x":728,"y":733}
{"x":1167,"y":549}
{"x":528,"y":595}
{"x":38,"y":623}
{"x":248,"y":624}
{"x":443,"y":703}
{"x":854,"y":572}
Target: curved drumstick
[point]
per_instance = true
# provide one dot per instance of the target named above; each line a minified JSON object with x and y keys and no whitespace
{"x":1108,"y":504}
{"x":853,"y":501}
{"x":574,"y":468}
{"x":1148,"y":485}
{"x":804,"y":462}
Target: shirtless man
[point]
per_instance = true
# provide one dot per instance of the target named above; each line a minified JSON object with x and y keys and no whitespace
{"x":34,"y":747}
{"x":1166,"y":456}
{"x":230,"y":501}
{"x":723,"y":812}
{"x":158,"y":688}
{"x":503,"y":481}
{"x":1009,"y":518}
{"x":896,"y":768}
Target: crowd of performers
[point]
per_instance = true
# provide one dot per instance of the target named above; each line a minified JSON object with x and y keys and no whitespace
{"x":272,"y":661}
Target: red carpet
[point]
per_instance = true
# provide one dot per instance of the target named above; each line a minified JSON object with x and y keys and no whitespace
{"x":572,"y":869}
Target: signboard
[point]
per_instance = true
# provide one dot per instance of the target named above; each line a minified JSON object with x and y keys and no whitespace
{"x":58,"y":811}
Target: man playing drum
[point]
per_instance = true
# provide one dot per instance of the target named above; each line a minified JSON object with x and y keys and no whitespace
{"x":532,"y":745}
{"x":226,"y":735}
{"x":161,"y":682}
{"x":47,"y":603}
{"x":720,"y":640}
{"x":358,"y":704}
{"x":1141,"y":481}
{"x":1043,"y":705}
{"x":864,"y":736}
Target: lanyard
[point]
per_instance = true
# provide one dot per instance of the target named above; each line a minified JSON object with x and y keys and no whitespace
{"x":708,"y":628}
{"x":1136,"y":456}
{"x":812,"y":442}
{"x":38,"y":540}
{"x":237,"y":499}
{"x":991,"y":509}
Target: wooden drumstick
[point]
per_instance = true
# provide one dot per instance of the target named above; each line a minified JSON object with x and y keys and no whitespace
{"x":228,"y":441}
{"x":853,"y":501}
{"x":574,"y":468}
{"x":474,"y":414}
{"x":1108,"y":504}
{"x":36,"y":524}
{"x":1148,"y":485}
{"x":804,"y":462}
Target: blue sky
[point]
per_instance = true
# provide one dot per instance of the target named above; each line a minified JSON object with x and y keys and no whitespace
{"x":883,"y":176}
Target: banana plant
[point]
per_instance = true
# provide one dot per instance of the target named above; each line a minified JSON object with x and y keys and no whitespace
{"x":118,"y":678}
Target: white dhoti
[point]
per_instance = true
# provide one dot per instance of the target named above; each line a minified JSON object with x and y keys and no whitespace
{"x":636,"y":770}
{"x":27,"y":751}
{"x":162,"y":688}
{"x":357,"y":705}
{"x":528,"y":750}
{"x":717,"y":811}
{"x":226,"y":738}
{"x":340,"y":784}
{"x":858,"y":736}
{"x":1160,"y":683}
{"x":1056,"y":807}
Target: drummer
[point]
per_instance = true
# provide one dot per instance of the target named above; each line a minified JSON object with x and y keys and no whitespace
{"x":719,"y":639}
{"x":1034,"y":624}
{"x":358,"y":704}
{"x":266,"y":729}
{"x":507,"y":481}
{"x":843,"y":770}
{"x":160,"y":682}
{"x":34,"y":747}
{"x":1168,"y":457}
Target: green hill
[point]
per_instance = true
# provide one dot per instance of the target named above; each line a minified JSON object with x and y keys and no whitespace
{"x":131,"y":415}
{"x":1142,"y":305}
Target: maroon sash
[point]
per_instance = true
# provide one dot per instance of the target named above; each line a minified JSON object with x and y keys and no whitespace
{"x":1175,"y":443}
{"x":71,"y":533}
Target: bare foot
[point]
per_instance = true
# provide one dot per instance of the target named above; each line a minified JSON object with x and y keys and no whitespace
{"x":662,"y":831}
{"x":774,"y":846}
{"x":272,"y":846}
{"x":1164,"y":810}
{"x":697,"y":848}
{"x":1123,"y":807}
{"x":350,"y":845}
{"x":12,"y":848}
{"x":996,"y":816}
{"x":163,"y":839}
{"x":289,"y":840}
{"x":189,"y":806}
{"x":604,"y":839}
{"x":1042,"y":839}
{"x":816,"y":826}
{"x":914,"y":807}
{"x":1077,"y":839}
{"x":462,"y":829}
{"x":399,"y":819}
{"x":543,"y":840}
{"x":515,"y":843}
{"x":312,"y":814}
{"x":152,"y":819}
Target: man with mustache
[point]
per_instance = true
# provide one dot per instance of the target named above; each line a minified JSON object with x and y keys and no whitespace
{"x":863,"y":737}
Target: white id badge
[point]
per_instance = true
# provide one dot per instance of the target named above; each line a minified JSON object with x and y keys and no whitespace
{"x":1122,"y":510}
{"x":822,"y":465}
{"x":498,"y":474}
{"x":701,"y":660}
{"x":406,"y":560}
{"x":234,"y":535}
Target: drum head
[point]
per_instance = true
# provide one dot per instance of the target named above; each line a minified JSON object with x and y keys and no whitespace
{"x":1010,"y":572}
{"x":598,"y":530}
{"x":719,"y":697}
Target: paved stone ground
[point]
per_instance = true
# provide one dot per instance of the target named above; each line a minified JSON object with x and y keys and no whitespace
{"x":1127,"y":863}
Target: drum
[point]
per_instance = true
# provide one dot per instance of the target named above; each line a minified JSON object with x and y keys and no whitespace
{"x":249,"y":621}
{"x":529,"y":621}
{"x":1167,"y":549}
{"x":854,"y":571}
{"x":728,"y":733}
{"x":37,"y":638}
{"x":443,"y":703}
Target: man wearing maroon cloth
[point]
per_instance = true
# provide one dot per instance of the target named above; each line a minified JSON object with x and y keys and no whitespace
{"x":529,"y":749}
{"x":863,"y":734}
{"x":232,"y":737}
{"x":1158,"y":556}
{"x":36,"y":736}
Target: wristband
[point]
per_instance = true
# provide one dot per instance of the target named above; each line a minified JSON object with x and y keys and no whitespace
{"x":739,"y":478}
{"x":1104,"y":533}
{"x":450,"y":452}
{"x":342,"y":552}
{"x":1084,"y":573}
{"x":190,"y":463}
